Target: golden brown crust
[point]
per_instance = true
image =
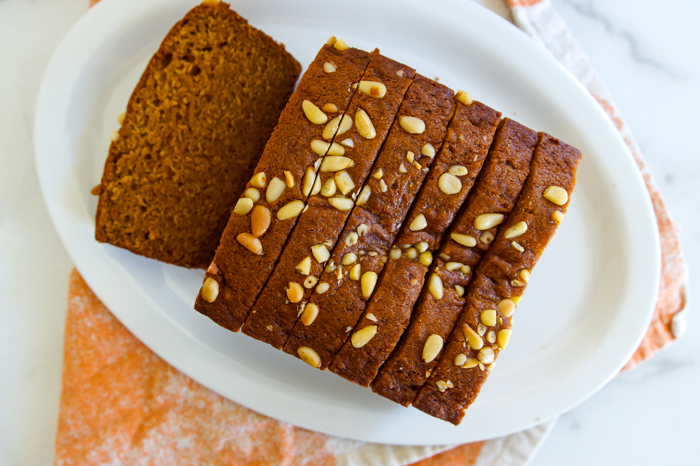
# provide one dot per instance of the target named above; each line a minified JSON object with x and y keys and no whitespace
{"x":194,"y":127}
{"x":500,"y":276}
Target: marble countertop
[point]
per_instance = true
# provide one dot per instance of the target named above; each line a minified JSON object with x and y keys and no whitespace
{"x":647,"y":56}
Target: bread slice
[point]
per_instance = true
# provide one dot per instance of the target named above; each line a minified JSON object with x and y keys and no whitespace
{"x":194,"y":128}
{"x":496,"y":191}
{"x":275,"y":312}
{"x":450,"y":180}
{"x":501,"y":278}
{"x":351,"y":274}
{"x":244,"y":262}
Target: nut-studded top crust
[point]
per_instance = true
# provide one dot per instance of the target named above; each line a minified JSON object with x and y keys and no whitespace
{"x":241,"y":274}
{"x":381,"y":215}
{"x":496,"y":190}
{"x":273,"y":316}
{"x":500,"y":276}
{"x":466,"y":145}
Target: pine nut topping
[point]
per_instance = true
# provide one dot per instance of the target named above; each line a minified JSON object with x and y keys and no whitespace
{"x":364,"y":125}
{"x":250,"y":242}
{"x":506,"y":307}
{"x":464,"y":240}
{"x":347,"y":142}
{"x":354,"y":273}
{"x":435,"y":286}
{"x":308,"y":183}
{"x":243,"y":206}
{"x":382,"y":186}
{"x":341,"y":203}
{"x":362,"y":337}
{"x":259,"y":180}
{"x":121,"y":117}
{"x":469,"y":363}
{"x":516,"y":299}
{"x":412,"y":125}
{"x":458,"y":170}
{"x":516,"y":230}
{"x":411,"y":253}
{"x":557,"y":195}
{"x":313,"y":113}
{"x":459,"y":290}
{"x":330,"y":267}
{"x":368,"y":282}
{"x":290,"y":210}
{"x":310,"y":282}
{"x":260,"y":220}
{"x":426,"y":258}
{"x":474,"y":341}
{"x":335,"y":163}
{"x":486,"y":355}
{"x":410,"y":156}
{"x":444,"y":256}
{"x":252,"y":194}
{"x":320,"y":252}
{"x":481,"y":329}
{"x":442,"y":385}
{"x":452,"y":266}
{"x":525,"y":275}
{"x":402,"y":168}
{"x":322,"y":287}
{"x":337,"y":125}
{"x":378,"y":174}
{"x":449,"y":184}
{"x":433,"y":346}
{"x":372,"y":317}
{"x":517,"y":246}
{"x":421,"y":247}
{"x":344,"y":182}
{"x":491,"y":337}
{"x":340,"y":45}
{"x":460,"y":359}
{"x":309,"y":314}
{"x":428,"y":150}
{"x":351,"y":238}
{"x":330,"y":108}
{"x":464,"y":98}
{"x":331,"y":40}
{"x":364,"y":195}
{"x":488,"y":317}
{"x":289,"y":179}
{"x":557,"y":216}
{"x":466,"y":270}
{"x":319,"y":147}
{"x":329,"y":67}
{"x":517,"y":283}
{"x":363,"y":229}
{"x":275,"y":190}
{"x":418,"y":223}
{"x":504,"y":337}
{"x":295,"y":292}
{"x":486,"y":237}
{"x":210,"y":290}
{"x":487,"y":221}
{"x":304,"y":266}
{"x":329,"y":188}
{"x":309,"y":356}
{"x":372,"y":88}
{"x":395,"y":254}
{"x":114,"y":136}
{"x":349,"y":258}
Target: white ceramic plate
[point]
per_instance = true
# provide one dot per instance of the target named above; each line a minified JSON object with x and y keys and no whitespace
{"x":591,"y":296}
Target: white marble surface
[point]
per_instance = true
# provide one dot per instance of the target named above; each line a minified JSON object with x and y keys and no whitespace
{"x":647,"y":56}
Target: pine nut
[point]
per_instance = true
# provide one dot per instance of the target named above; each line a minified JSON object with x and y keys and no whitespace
{"x":330,"y":108}
{"x":411,"y":253}
{"x":517,"y":246}
{"x":114,"y":136}
{"x":488,"y":317}
{"x":304,"y":266}
{"x":459,"y":290}
{"x":433,"y":346}
{"x":313,"y":113}
{"x":275,"y":190}
{"x":525,"y":275}
{"x":372,"y":317}
{"x":354,"y":272}
{"x":347,"y":142}
{"x":557,"y":195}
{"x":260,"y":220}
{"x":504,"y":337}
{"x":368,"y":282}
{"x":402,"y":168}
{"x":335,"y":163}
{"x":250,"y":242}
{"x":252,"y":194}
{"x":464,"y":240}
{"x":410,"y":156}
{"x":506,"y":307}
{"x":308,"y":183}
{"x":486,"y":237}
{"x":121,"y":117}
{"x":329,"y":67}
{"x":426,"y":258}
{"x":418,"y":223}
{"x":449,"y":184}
{"x":516,"y":299}
{"x":259,"y":180}
{"x":328,"y":188}
{"x":435,"y":286}
{"x":395,"y":254}
{"x":351,"y":238}
{"x":210,"y":290}
{"x":295,"y":292}
{"x":243,"y":206}
{"x":289,"y":179}
{"x":364,"y":125}
{"x":412,"y":125}
{"x":469,"y":363}
{"x":310,"y":282}
{"x":364,"y":195}
{"x":331,"y":40}
{"x":557,"y":216}
{"x":341,"y":203}
{"x":460,"y":359}
{"x":320,"y":252}
{"x":421,"y":247}
{"x":452,"y":266}
{"x":322,"y":287}
{"x":474,"y":341}
{"x":428,"y":150}
{"x":444,"y":257}
{"x":309,"y":314}
{"x":464,"y":98}
{"x":372,"y":88}
{"x":290,"y":210}
{"x":487,"y":221}
{"x":330,"y":267}
{"x":382,"y":186}
{"x":378,"y":174}
{"x":491,"y":337}
{"x":466,"y":270}
{"x":337,"y":126}
{"x":486,"y":355}
{"x":340,"y":45}
{"x":362,"y":229}
{"x":362,"y":337}
{"x":458,"y":170}
{"x":309,"y":356}
{"x":349,"y":258}
{"x":344,"y":182}
{"x":517,"y":283}
{"x":516,"y":230}
{"x":481,"y":329}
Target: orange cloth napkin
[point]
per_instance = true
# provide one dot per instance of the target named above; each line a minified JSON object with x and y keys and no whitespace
{"x":122,"y":404}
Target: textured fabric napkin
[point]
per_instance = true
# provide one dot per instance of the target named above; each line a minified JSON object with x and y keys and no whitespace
{"x":122,"y":404}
